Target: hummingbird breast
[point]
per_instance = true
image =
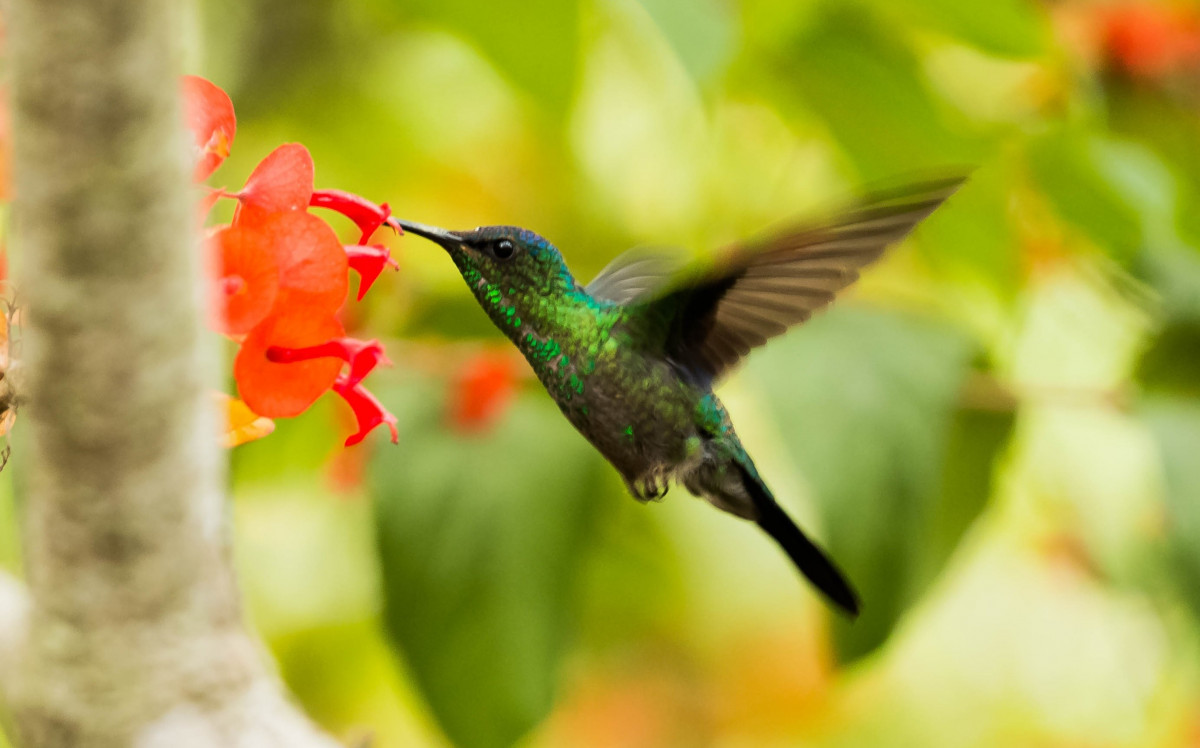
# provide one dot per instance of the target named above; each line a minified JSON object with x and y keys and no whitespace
{"x":629,"y":402}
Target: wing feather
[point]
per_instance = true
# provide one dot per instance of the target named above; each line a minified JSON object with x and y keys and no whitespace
{"x":763,"y":288}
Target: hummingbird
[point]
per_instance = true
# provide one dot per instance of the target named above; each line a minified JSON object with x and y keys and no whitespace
{"x":632,"y":357}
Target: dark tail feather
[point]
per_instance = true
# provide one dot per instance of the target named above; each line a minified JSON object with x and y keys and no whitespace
{"x":809,"y":559}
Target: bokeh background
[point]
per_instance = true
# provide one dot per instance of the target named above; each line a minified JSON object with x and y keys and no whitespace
{"x":996,"y":433}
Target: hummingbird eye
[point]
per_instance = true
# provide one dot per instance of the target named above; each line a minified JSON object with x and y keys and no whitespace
{"x":503,"y":249}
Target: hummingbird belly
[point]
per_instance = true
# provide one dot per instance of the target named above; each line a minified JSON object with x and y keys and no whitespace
{"x":640,"y":415}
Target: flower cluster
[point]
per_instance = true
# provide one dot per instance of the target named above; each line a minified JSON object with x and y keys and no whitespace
{"x":1150,"y":40}
{"x":280,"y":277}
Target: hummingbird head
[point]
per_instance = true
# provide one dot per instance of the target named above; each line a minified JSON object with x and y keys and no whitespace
{"x":512,"y":271}
{"x":508,"y":257}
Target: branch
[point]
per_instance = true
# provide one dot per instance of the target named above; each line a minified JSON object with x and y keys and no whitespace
{"x":14,"y":616}
{"x":135,"y":635}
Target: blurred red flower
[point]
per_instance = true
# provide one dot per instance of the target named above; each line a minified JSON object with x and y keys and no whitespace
{"x":483,"y":389}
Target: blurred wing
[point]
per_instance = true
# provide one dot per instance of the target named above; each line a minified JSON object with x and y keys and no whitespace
{"x":765,"y":287}
{"x":636,"y":274}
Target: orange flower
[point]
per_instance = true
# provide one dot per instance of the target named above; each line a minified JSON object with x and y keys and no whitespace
{"x":247,"y":278}
{"x":282,"y":390}
{"x":483,"y":388}
{"x":210,"y":117}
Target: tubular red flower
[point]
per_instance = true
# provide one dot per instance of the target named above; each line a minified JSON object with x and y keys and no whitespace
{"x":367,"y":215}
{"x":368,"y":411}
{"x":209,"y":115}
{"x":369,"y":262}
{"x":362,"y":355}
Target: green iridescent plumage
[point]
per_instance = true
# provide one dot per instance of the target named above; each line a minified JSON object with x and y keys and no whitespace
{"x":632,"y":357}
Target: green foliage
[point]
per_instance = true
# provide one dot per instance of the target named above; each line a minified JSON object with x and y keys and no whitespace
{"x":1118,"y":193}
{"x":868,"y":87}
{"x":479,"y":541}
{"x":535,"y":43}
{"x":1175,"y":425}
{"x":869,"y":406}
{"x":1014,"y":28}
{"x":700,"y":31}
{"x":977,"y":238}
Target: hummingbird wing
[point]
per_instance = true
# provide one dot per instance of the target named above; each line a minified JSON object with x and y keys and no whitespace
{"x":762,"y":288}
{"x":639,"y":273}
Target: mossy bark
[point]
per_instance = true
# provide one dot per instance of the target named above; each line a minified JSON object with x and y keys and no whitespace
{"x":134,"y":633}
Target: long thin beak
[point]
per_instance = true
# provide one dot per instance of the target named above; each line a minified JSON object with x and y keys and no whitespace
{"x":432,"y":233}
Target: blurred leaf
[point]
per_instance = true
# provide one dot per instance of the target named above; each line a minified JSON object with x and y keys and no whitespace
{"x":534,"y":43}
{"x":296,"y":445}
{"x":1010,"y":28}
{"x":1171,"y":365}
{"x":1175,"y":425}
{"x":1173,"y":271}
{"x":871,"y":91}
{"x":1118,"y":193}
{"x":700,"y":31}
{"x":976,"y":233}
{"x":869,"y":401}
{"x":481,"y":541}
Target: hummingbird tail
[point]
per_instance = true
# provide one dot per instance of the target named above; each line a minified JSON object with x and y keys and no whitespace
{"x":809,"y":559}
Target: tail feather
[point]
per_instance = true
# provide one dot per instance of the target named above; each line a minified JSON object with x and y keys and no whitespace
{"x":809,"y":559}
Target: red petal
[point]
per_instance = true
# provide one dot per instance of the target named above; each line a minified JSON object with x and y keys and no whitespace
{"x":283,"y":181}
{"x":363,"y":356}
{"x":369,"y":262}
{"x":367,"y":410}
{"x":284,"y":390}
{"x":483,"y":388}
{"x":366,"y":215}
{"x":312,"y":263}
{"x":247,"y":278}
{"x":209,"y":114}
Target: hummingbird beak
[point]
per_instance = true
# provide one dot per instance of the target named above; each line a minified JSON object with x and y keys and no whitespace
{"x":443,"y":237}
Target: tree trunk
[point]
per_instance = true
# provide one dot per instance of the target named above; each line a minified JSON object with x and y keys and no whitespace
{"x":134,"y":634}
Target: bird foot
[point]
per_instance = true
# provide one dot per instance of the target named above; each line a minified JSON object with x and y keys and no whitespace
{"x":648,"y":488}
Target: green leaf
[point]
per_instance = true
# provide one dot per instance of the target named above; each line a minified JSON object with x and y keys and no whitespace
{"x":480,"y":541}
{"x":1009,"y":28}
{"x":1173,"y":271}
{"x":869,"y":404}
{"x":1118,"y":193}
{"x":1171,"y":364}
{"x":534,"y":43}
{"x":1175,"y":425}
{"x":870,"y":90}
{"x":700,"y":31}
{"x":976,"y":234}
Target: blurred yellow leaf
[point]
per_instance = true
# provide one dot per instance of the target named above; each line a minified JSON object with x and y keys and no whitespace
{"x":242,"y":424}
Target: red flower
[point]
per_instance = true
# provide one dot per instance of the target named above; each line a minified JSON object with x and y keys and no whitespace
{"x":367,"y":410}
{"x":281,"y":276}
{"x":483,"y":388}
{"x":247,"y":278}
{"x":1151,"y":39}
{"x":210,"y":117}
{"x":282,"y":182}
{"x":369,"y":262}
{"x":367,"y":216}
{"x":312,"y":263}
{"x":282,"y":390}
